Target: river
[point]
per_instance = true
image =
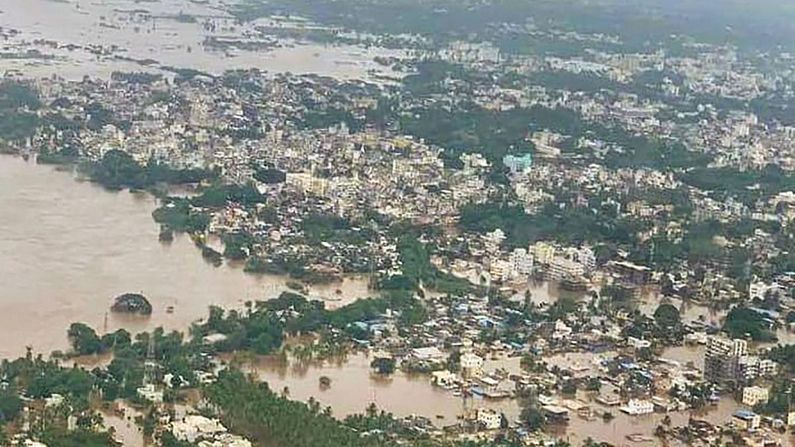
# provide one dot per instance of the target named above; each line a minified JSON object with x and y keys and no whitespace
{"x":70,"y":247}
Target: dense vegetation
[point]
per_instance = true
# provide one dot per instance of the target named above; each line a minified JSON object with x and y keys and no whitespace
{"x":742,"y":322}
{"x":117,"y":170}
{"x":17,"y":102}
{"x":178,"y":215}
{"x":419,"y":272}
{"x":259,"y":413}
{"x":572,"y":225}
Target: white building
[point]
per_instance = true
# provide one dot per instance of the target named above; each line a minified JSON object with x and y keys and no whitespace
{"x":522,"y":261}
{"x":194,"y":427}
{"x":444,"y":379}
{"x":587,"y":258}
{"x":489,"y":419}
{"x":638,"y":343}
{"x":226,"y":440}
{"x":151,"y":393}
{"x":561,"y":330}
{"x":637,"y":407}
{"x":494,"y":240}
{"x":471,"y":364}
{"x":753,"y":395}
{"x":746,"y":420}
{"x":429,"y":354}
{"x":758,"y":290}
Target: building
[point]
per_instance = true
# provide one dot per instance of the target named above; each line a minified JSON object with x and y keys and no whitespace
{"x":746,"y":420}
{"x":194,"y":427}
{"x":638,"y":343}
{"x":501,"y":270}
{"x":518,"y":164}
{"x":753,"y":395}
{"x":308,"y":183}
{"x":721,"y":358}
{"x":561,"y":331}
{"x":150,"y":393}
{"x":471,"y":365}
{"x":489,"y":419}
{"x":587,"y":258}
{"x":750,"y":367}
{"x":555,"y":413}
{"x":429,"y":354}
{"x":631,"y":273}
{"x":728,"y":361}
{"x":493,"y":241}
{"x":637,"y":407}
{"x":543,"y":253}
{"x":522,"y":261}
{"x":561,"y":268}
{"x":31,"y":443}
{"x":444,"y":379}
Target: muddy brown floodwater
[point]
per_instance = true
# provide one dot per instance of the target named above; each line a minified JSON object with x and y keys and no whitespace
{"x":67,"y":248}
{"x":354,"y":387}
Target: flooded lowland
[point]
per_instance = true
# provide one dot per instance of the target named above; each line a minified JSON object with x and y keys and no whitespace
{"x":69,"y":248}
{"x":71,"y":39}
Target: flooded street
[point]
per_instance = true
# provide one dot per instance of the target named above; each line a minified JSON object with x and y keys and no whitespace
{"x":70,"y":248}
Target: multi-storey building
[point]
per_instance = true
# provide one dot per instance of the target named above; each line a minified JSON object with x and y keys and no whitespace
{"x":728,"y":360}
{"x":721,"y":358}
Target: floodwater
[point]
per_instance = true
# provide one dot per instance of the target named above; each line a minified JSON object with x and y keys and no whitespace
{"x":354,"y":387}
{"x":68,"y":248}
{"x":77,"y":38}
{"x":120,"y":419}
